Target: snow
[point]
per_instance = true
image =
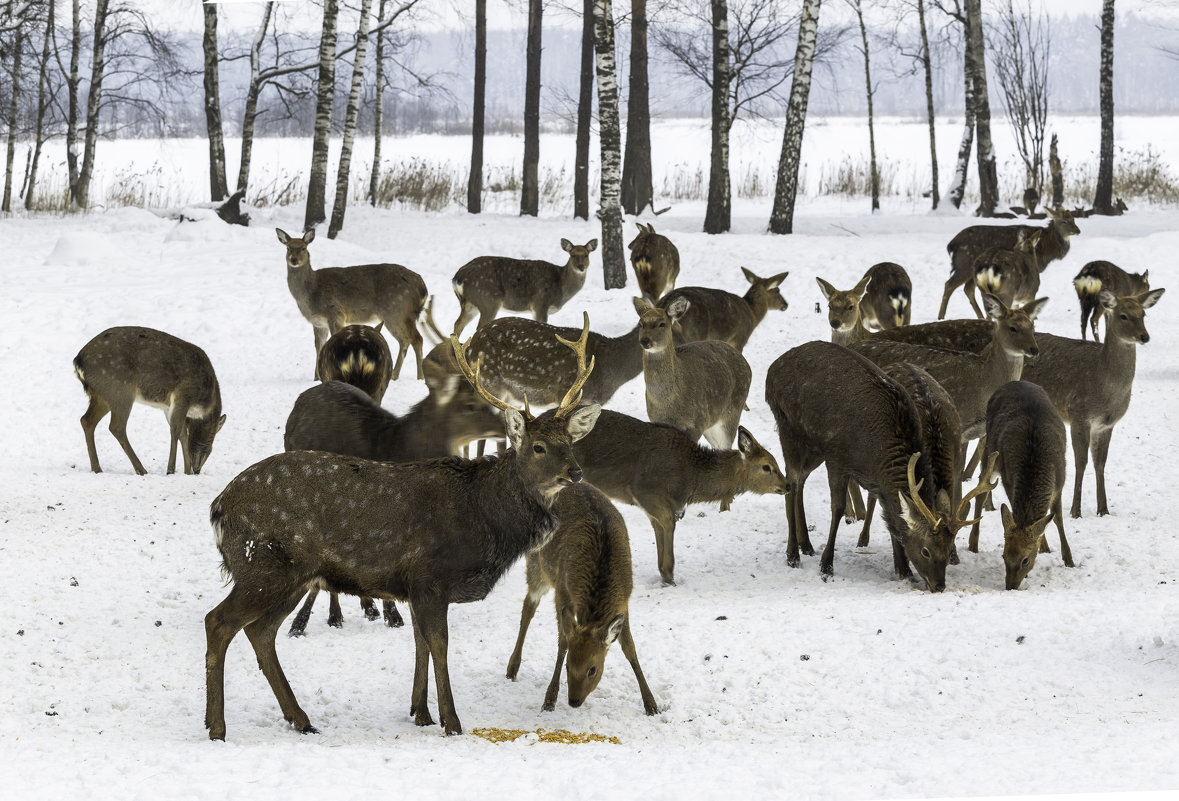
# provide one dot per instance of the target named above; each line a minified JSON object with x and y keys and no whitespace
{"x":771,"y":682}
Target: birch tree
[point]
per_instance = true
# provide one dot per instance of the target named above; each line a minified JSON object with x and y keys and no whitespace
{"x":786,"y":188}
{"x":351,"y":112}
{"x":718,"y":214}
{"x":613,"y":261}
{"x":957,"y":189}
{"x":93,"y":101}
{"x":325,"y":91}
{"x":14,"y":76}
{"x":475,"y":179}
{"x":43,"y":99}
{"x":217,"y":185}
{"x":1019,"y":53}
{"x":928,"y":70}
{"x":379,"y":108}
{"x":637,"y":192}
{"x":530,"y":186}
{"x":988,"y":178}
{"x":1103,"y":196}
{"x":585,"y":112}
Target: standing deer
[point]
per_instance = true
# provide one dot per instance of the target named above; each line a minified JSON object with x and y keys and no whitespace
{"x":125,"y":365}
{"x":486,"y":284}
{"x":431,"y":533}
{"x":881,"y":300}
{"x":716,"y":314}
{"x":1026,"y":435}
{"x":698,"y":387}
{"x":966,"y":246}
{"x":662,"y":470}
{"x":833,"y":406}
{"x":656,"y":263}
{"x":1098,"y":275}
{"x":357,"y":355}
{"x":1010,"y":274}
{"x":1089,"y":383}
{"x":587,"y":563}
{"x":334,"y":297}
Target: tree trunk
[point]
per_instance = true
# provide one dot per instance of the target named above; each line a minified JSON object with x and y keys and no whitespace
{"x":351,"y":113}
{"x":718,"y":213}
{"x":530,"y":188}
{"x":874,"y":174}
{"x":613,"y":261}
{"x":1103,"y":197}
{"x":782,"y":215}
{"x":42,"y":105}
{"x":962,"y":166}
{"x":637,"y":192}
{"x":378,"y":109}
{"x":217,"y":186}
{"x":93,"y":99}
{"x":585,"y":112}
{"x":73,"y":80}
{"x":475,"y":179}
{"x":13,"y":110}
{"x":988,"y":178}
{"x":1056,"y":170}
{"x":325,"y":90}
{"x":252,"y":92}
{"x":927,"y":65}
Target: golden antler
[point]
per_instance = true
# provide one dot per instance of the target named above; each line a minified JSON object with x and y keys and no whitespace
{"x":985,"y":485}
{"x":915,"y":491}
{"x":472,"y":375}
{"x":573,"y":396}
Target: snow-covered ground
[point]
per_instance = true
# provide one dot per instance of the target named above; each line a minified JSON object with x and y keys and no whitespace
{"x":771,"y":682}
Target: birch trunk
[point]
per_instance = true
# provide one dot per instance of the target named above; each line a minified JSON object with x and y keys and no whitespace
{"x":585,"y":112}
{"x":73,"y":80}
{"x":718,"y":213}
{"x":378,"y":109}
{"x":957,"y":190}
{"x":613,"y":261}
{"x":351,"y":113}
{"x":42,"y":105}
{"x":530,"y":189}
{"x":217,"y":185}
{"x":786,"y":189}
{"x":475,"y":179}
{"x":13,"y":110}
{"x":325,"y":90}
{"x":988,"y":178}
{"x":926,"y":63}
{"x":1103,"y":197}
{"x":93,"y":99}
{"x":637,"y":191}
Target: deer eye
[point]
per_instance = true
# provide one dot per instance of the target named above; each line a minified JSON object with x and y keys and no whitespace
{"x":593,"y":671}
{"x":664,"y":325}
{"x":538,"y":449}
{"x":766,"y":468}
{"x":1125,"y":317}
{"x":925,"y":553}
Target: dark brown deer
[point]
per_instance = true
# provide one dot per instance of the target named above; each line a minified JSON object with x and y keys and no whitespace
{"x":1010,"y":274}
{"x":716,"y":314}
{"x":656,"y":263}
{"x":486,"y":284}
{"x":662,"y":470}
{"x":1026,"y":435}
{"x":1098,"y":275}
{"x":698,"y":387}
{"x":357,"y":355}
{"x":127,"y":365}
{"x":431,"y":533}
{"x":334,"y":297}
{"x":1090,"y":383}
{"x":587,"y":563}
{"x":833,"y":406}
{"x":966,"y":246}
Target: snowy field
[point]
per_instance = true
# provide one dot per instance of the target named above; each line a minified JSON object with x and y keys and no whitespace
{"x":771,"y":682}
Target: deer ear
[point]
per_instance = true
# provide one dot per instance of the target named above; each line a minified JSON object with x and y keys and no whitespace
{"x":582,"y":421}
{"x":309,"y":236}
{"x":514,"y":425}
{"x":1151,"y":297}
{"x":591,"y":245}
{"x":1033,"y":309}
{"x":612,"y":629}
{"x":825,"y":288}
{"x":220,"y":423}
{"x":995,"y":308}
{"x":1005,"y":515}
{"x":377,"y":327}
{"x":678,"y":308}
{"x":749,"y":276}
{"x":566,"y":245}
{"x":862,"y":287}
{"x":745,"y":441}
{"x":775,"y":281}
{"x":1107,"y":299}
{"x":283,"y":236}
{"x":641,"y":305}
{"x":907,"y":511}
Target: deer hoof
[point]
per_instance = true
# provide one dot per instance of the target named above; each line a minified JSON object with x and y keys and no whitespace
{"x":308,"y":729}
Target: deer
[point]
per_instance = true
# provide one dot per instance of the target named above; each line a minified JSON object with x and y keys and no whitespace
{"x":334,"y":297}
{"x":965,"y":247}
{"x":717,"y":314}
{"x":486,"y":284}
{"x":587,"y":565}
{"x":357,"y":355}
{"x":1098,"y":275}
{"x":1010,"y":274}
{"x":656,"y":263}
{"x":882,"y":299}
{"x":1090,"y":383}
{"x":129,"y":364}
{"x":662,"y":470}
{"x":431,"y":533}
{"x":834,"y":406}
{"x":340,"y":418}
{"x":698,"y":387}
{"x":1026,"y":436}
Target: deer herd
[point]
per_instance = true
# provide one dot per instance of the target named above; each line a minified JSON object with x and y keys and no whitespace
{"x":368,"y":503}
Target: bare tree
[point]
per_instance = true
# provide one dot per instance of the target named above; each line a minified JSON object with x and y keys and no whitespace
{"x":857,"y":6}
{"x":14,"y":75}
{"x":1019,"y":52}
{"x":475,"y":179}
{"x":988,"y":178}
{"x":316,"y":211}
{"x":93,"y":99}
{"x":637,"y":191}
{"x":1103,"y":197}
{"x":585,"y":111}
{"x":957,"y":189}
{"x":786,"y":189}
{"x":351,"y":113}
{"x":378,"y":107}
{"x":610,"y":213}
{"x":44,"y":92}
{"x":217,"y":186}
{"x":529,"y":184}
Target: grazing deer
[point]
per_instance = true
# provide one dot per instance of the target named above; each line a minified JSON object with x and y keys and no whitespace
{"x":834,"y":406}
{"x":357,"y":355}
{"x":431,"y":533}
{"x":662,"y":470}
{"x":486,"y":284}
{"x":340,"y":418}
{"x":1098,"y":275}
{"x":1026,"y":435}
{"x":1089,"y":383}
{"x":1010,"y":274}
{"x":125,"y":365}
{"x":716,"y":314}
{"x":698,"y":387}
{"x":656,"y":263}
{"x":966,"y":246}
{"x":334,"y":297}
{"x":587,"y":563}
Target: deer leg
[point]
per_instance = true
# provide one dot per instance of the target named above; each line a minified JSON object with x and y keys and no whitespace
{"x":949,"y":290}
{"x":416,"y":343}
{"x":393,"y":618}
{"x":322,"y":333}
{"x":97,"y":410}
{"x":1080,"y":441}
{"x":335,"y":614}
{"x":467,"y":312}
{"x":299,"y":623}
{"x":838,"y":486}
{"x":432,"y":623}
{"x":968,"y":290}
{"x":1058,"y":515}
{"x":176,"y":435}
{"x":221,"y":626}
{"x":863,"y":542}
{"x":550,"y":693}
{"x":402,"y":348}
{"x":262,"y":633}
{"x":531,"y":602}
{"x":663,"y":522}
{"x":118,"y":428}
{"x":369,"y":607}
{"x":853,"y":507}
{"x":419,"y":698}
{"x":627,"y":642}
{"x":1100,"y":452}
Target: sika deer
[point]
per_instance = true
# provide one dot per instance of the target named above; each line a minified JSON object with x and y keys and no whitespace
{"x":698,"y":387}
{"x":882,"y":300}
{"x":125,"y":365}
{"x":1089,"y":383}
{"x":486,"y":284}
{"x":716,"y":314}
{"x":834,"y":406}
{"x":357,"y":355}
{"x":1026,"y":435}
{"x":656,"y":263}
{"x":432,"y":533}
{"x":970,"y":242}
{"x":1010,"y":274}
{"x":334,"y":297}
{"x":1098,"y":275}
{"x":587,"y":563}
{"x":662,"y":470}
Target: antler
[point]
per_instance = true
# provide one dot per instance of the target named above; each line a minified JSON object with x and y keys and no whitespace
{"x":985,"y":485}
{"x":573,"y":396}
{"x":460,"y":357}
{"x":915,"y":491}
